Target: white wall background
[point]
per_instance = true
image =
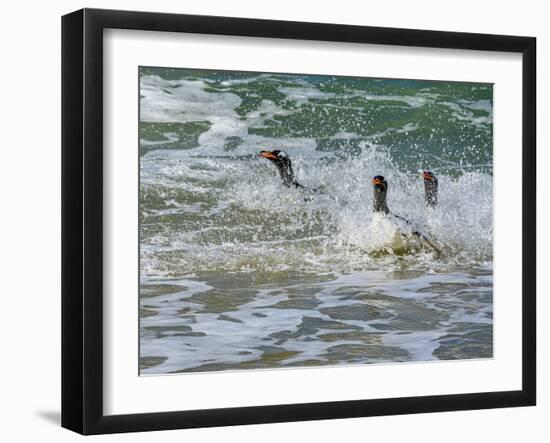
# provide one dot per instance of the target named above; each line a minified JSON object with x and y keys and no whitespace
{"x":30,"y":219}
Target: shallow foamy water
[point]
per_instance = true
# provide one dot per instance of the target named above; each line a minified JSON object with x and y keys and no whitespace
{"x":240,"y":272}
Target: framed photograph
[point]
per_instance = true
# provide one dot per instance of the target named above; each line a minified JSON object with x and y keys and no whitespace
{"x":269,"y":221}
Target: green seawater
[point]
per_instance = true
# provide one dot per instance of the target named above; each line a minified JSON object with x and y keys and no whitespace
{"x":239,"y":272}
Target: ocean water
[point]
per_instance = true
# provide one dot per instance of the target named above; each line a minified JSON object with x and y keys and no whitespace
{"x":239,"y":272}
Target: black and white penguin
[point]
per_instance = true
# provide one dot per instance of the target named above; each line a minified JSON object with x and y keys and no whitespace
{"x":430,"y":188}
{"x":380,"y":204}
{"x":284,"y":165}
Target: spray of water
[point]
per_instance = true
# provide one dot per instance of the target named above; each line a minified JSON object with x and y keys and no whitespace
{"x":240,"y":271}
{"x":234,"y":214}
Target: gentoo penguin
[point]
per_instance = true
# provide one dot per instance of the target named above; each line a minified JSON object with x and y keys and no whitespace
{"x":380,"y":190}
{"x":430,"y":188}
{"x":284,"y":165}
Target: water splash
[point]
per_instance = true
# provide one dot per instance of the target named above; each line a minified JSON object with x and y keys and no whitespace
{"x":240,"y":272}
{"x":233,"y":214}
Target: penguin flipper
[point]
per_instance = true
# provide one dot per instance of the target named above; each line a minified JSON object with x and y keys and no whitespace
{"x":418,"y":234}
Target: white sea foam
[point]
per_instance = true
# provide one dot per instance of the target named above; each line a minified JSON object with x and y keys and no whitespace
{"x":244,"y":218}
{"x":306,"y":259}
{"x":250,"y":221}
{"x":182,"y":101}
{"x":262,"y":323}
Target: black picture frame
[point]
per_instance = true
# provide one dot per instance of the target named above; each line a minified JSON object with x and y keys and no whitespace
{"x":82,"y":218}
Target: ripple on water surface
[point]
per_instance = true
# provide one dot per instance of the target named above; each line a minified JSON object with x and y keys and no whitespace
{"x":240,"y":272}
{"x":254,"y":321}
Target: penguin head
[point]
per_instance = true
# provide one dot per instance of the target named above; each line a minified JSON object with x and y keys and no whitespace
{"x":284,"y":165}
{"x":280,"y":158}
{"x":379,"y":183}
{"x":429,"y":176}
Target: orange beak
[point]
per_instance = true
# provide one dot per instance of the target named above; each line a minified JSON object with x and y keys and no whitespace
{"x":376,"y":181}
{"x":267,"y":154}
{"x":427,"y":176}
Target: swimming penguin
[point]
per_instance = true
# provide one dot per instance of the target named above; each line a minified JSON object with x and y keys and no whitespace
{"x":380,"y":190}
{"x":430,"y":188}
{"x":284,"y":165}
